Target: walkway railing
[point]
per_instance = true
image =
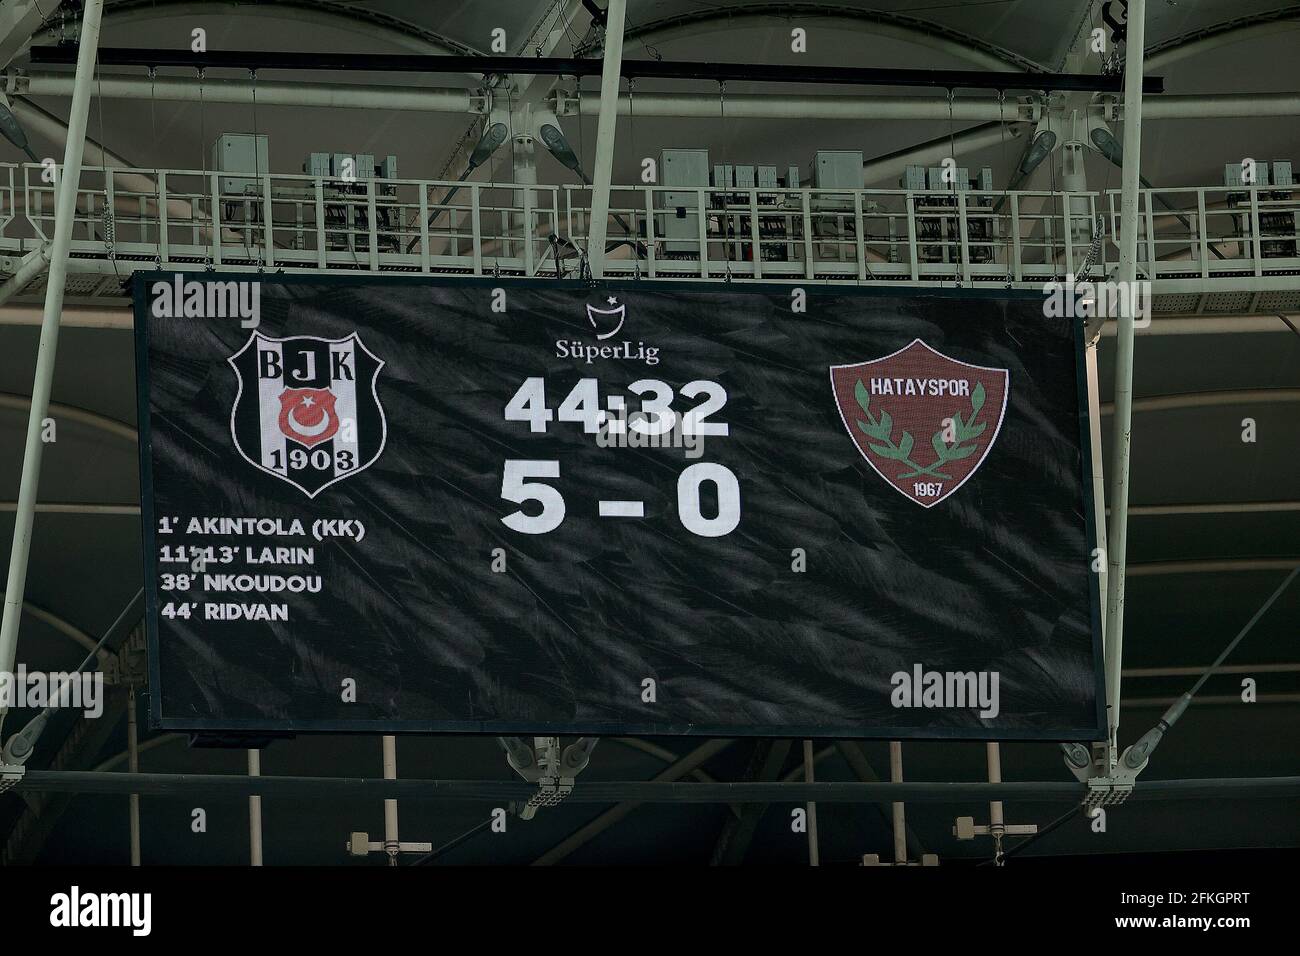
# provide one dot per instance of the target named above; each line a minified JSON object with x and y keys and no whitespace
{"x":188,"y":219}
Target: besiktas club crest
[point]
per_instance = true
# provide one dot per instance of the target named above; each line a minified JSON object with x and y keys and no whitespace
{"x":923,"y":421}
{"x":307,"y":410}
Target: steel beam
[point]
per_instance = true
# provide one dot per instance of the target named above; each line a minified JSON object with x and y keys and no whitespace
{"x":656,"y":791}
{"x":73,"y":414}
{"x":605,"y":130}
{"x":737,"y":833}
{"x":49,"y":341}
{"x":269,"y":92}
{"x":635,"y":69}
{"x":667,"y":778}
{"x":1210,"y":399}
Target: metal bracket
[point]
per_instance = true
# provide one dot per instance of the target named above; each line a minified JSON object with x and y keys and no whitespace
{"x":1109,"y":791}
{"x":10,"y":774}
{"x":563,"y":103}
{"x":873,"y":859}
{"x":552,"y":769}
{"x":360,"y":844}
{"x":968,"y":829}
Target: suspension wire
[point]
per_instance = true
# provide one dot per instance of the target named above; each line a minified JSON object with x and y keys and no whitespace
{"x":952,"y":140}
{"x":1051,"y":187}
{"x":257,"y":173}
{"x":153,"y":132}
{"x":631,"y":135}
{"x":203,"y":186}
{"x":726,"y":195}
{"x":1002,"y":158}
{"x":952,"y":155}
{"x":109,"y":214}
{"x":203,"y":160}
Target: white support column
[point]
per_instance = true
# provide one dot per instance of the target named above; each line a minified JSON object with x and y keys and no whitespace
{"x":1122,"y":424}
{"x":993,"y":755}
{"x":809,"y":776}
{"x":392,"y":846}
{"x":70,"y":177}
{"x":254,"y":812}
{"x":609,"y":80}
{"x":899,"y":821}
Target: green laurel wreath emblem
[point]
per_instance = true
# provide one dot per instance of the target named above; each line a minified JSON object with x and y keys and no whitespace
{"x":881,"y":431}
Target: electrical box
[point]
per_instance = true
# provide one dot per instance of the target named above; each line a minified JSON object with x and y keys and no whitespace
{"x":767,"y":177}
{"x":723,"y":176}
{"x":986,"y":179}
{"x":960,"y":174}
{"x":745,"y":177}
{"x":388,"y":168}
{"x":684,"y":167}
{"x":365,"y":166}
{"x":913,"y":179}
{"x":837,"y":169}
{"x":1282,"y":174}
{"x":241,"y":153}
{"x":316,"y":164}
{"x":1234,"y":175}
{"x":679,"y":227}
{"x":792,"y":178}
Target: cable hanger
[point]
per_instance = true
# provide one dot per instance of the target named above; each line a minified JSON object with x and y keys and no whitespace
{"x":726,"y":195}
{"x":153,"y":132}
{"x":257,"y":172}
{"x":203,"y":168}
{"x":631,"y":135}
{"x":1002,"y":156}
{"x":109,"y":215}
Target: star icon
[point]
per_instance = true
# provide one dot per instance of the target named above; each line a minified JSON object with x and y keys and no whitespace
{"x":308,"y":401}
{"x":612,"y":301}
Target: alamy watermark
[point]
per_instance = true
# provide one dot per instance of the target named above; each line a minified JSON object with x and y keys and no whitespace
{"x":621,"y":429}
{"x":947,"y":690}
{"x":80,"y":690}
{"x":205,"y":299}
{"x":1105,"y":300}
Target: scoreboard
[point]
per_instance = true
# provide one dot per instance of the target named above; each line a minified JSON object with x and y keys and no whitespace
{"x":558,"y":506}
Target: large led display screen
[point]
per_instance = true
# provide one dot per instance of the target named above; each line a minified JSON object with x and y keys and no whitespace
{"x":509,"y":506}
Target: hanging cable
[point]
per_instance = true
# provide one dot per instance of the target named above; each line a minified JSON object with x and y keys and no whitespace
{"x":725,"y":219}
{"x":153,"y":133}
{"x":631,"y":135}
{"x":956,"y":206}
{"x":203,"y":162}
{"x":1002,"y":158}
{"x":204,"y":186}
{"x":1051,"y":185}
{"x":265,"y":215}
{"x":108,"y":215}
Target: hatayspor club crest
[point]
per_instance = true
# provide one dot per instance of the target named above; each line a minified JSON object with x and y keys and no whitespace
{"x":923,"y":421}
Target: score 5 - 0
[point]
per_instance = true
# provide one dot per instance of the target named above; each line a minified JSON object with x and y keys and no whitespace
{"x":655,"y":417}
